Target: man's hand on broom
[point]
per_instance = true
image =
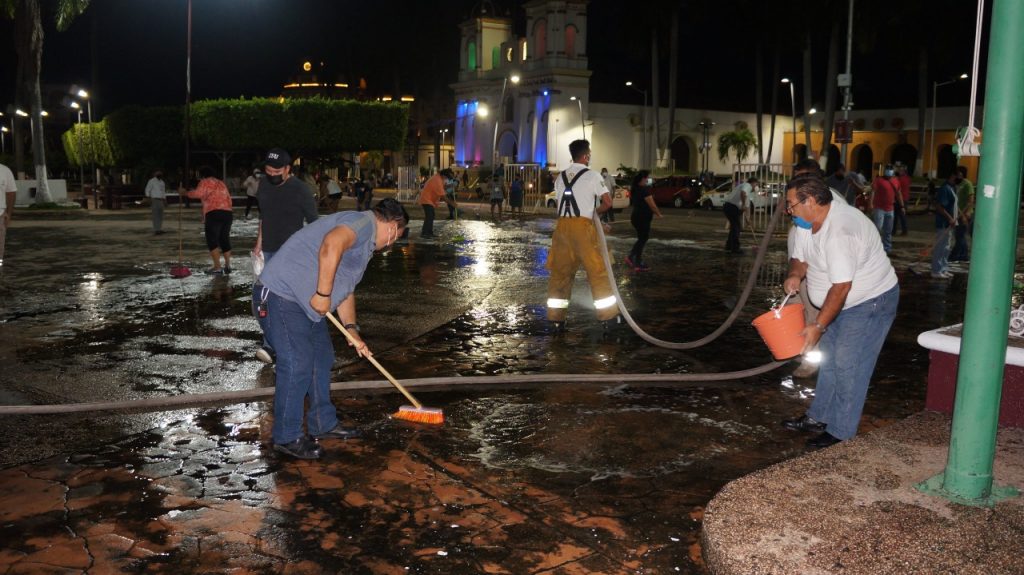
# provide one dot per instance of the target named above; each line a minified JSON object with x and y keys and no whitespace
{"x":358,"y":343}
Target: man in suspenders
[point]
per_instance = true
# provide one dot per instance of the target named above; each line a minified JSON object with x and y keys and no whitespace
{"x":580,"y":192}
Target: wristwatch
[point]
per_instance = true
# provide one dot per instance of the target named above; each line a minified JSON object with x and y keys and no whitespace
{"x":352,"y":326}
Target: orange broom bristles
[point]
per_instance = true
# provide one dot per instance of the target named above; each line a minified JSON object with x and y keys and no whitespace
{"x":431,"y":415}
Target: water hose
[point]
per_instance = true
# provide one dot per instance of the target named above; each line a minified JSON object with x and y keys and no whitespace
{"x":185,"y":400}
{"x":762,"y":250}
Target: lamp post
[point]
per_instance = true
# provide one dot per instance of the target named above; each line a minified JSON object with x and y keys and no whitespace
{"x":643,"y":131}
{"x":792,"y":103}
{"x":931,"y":147}
{"x":88,"y":105}
{"x":583,"y":125}
{"x":705,"y":147}
{"x":440,"y":163}
{"x":81,"y":165}
{"x":3,"y":140}
{"x":499,"y":118}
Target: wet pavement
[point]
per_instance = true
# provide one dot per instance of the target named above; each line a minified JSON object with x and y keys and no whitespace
{"x":564,"y":478}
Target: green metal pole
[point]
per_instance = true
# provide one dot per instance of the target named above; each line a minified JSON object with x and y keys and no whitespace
{"x":968,"y":473}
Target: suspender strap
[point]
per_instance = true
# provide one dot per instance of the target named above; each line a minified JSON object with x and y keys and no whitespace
{"x":568,"y":207}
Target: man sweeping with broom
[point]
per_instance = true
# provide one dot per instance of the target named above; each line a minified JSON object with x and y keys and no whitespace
{"x":315,"y":272}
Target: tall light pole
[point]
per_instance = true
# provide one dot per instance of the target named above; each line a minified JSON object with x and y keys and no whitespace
{"x":498,"y":119}
{"x":705,"y":147}
{"x":440,"y":163}
{"x":92,"y":156}
{"x":792,"y":103}
{"x":643,"y":130}
{"x":583,"y":125}
{"x":931,"y":147}
{"x":3,"y":140}
{"x":81,"y":165}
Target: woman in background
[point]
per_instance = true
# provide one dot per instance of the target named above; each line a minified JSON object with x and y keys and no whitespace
{"x":643,"y":212}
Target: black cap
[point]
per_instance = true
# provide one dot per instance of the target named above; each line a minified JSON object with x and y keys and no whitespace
{"x":278,"y":158}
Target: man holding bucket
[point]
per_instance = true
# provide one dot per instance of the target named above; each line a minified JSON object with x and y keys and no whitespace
{"x":849,"y":278}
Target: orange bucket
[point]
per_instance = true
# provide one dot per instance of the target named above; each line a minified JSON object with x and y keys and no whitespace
{"x":782,"y":334}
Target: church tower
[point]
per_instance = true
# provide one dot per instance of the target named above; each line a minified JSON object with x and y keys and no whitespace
{"x":518,"y":100}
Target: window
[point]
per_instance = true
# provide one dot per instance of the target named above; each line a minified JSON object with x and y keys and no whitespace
{"x":540,"y":38}
{"x":508,"y":54}
{"x":471,"y":52}
{"x":510,"y":110}
{"x":570,"y":41}
{"x":495,"y":58}
{"x":524,"y":50}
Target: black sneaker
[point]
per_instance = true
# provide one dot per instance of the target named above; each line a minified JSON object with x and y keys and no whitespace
{"x":214,"y":272}
{"x":804,"y":423}
{"x":227,"y":270}
{"x":341,"y":432}
{"x":822,"y":441}
{"x":301,"y":448}
{"x":611,"y":324}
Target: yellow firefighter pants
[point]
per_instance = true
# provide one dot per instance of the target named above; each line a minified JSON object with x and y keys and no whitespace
{"x":573,"y":243}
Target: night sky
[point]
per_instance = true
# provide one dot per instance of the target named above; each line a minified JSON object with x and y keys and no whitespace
{"x":133,"y":51}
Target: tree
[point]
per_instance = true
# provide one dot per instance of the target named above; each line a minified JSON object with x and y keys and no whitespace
{"x":28,"y":38}
{"x":741,"y":142}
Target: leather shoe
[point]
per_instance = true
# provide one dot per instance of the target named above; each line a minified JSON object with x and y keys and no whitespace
{"x":340,"y":432}
{"x":301,"y":448}
{"x":825,"y":439}
{"x":803,"y":423}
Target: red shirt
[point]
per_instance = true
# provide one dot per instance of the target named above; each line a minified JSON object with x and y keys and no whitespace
{"x":905,"y":187}
{"x":885,"y":194}
{"x":213,"y":193}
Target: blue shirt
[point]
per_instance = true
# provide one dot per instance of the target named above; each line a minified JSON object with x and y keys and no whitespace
{"x":945,"y":197}
{"x":293,"y":271}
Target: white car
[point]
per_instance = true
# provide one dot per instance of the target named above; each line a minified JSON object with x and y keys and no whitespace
{"x":766,"y":194}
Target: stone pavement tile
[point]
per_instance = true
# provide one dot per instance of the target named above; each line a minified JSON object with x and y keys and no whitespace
{"x":23,"y":497}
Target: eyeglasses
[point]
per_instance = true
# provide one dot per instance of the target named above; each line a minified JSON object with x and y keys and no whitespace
{"x":790,"y":207}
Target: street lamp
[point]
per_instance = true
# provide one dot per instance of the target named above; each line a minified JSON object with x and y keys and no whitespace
{"x":931,"y":148}
{"x":705,"y":147}
{"x":643,"y":131}
{"x":3,"y":140}
{"x":81,"y":165}
{"x":81,"y":93}
{"x":439,"y":162}
{"x":792,"y":103}
{"x":497,"y":120}
{"x":583,"y":125}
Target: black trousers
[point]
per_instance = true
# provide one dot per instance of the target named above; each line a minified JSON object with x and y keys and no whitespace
{"x":428,"y":220}
{"x":732,"y":213}
{"x":642,"y":225}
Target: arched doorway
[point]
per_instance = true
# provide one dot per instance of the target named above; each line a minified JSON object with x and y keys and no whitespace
{"x":947,"y":161}
{"x":905,"y":154}
{"x":508,"y":147}
{"x":833,"y":161}
{"x":680,"y":154}
{"x":863,"y":159}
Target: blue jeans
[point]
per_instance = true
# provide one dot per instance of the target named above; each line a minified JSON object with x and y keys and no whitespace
{"x":304,"y":359}
{"x":883,"y":221}
{"x":849,"y":350}
{"x":940,"y":251}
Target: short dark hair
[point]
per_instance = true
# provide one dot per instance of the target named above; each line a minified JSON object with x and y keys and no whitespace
{"x":577,"y":148}
{"x":962,"y":170}
{"x":808,"y":166}
{"x":810,"y":186}
{"x":206,"y":172}
{"x":391,"y":210}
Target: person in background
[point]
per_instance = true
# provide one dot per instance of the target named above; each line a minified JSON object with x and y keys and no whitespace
{"x":609,"y":182}
{"x":360,"y":190}
{"x":965,"y":222}
{"x":840,"y":183}
{"x":251,"y":184}
{"x":217,"y":218}
{"x":497,"y":195}
{"x":286,"y":204}
{"x":946,"y":213}
{"x":8,"y":195}
{"x":644,"y":210}
{"x":316,"y":274}
{"x":850,"y":279}
{"x":734,"y":207}
{"x":433,"y":192}
{"x":156,"y":191}
{"x":451,"y":185}
{"x":515,"y":196}
{"x":333,"y":192}
{"x":885,"y":200}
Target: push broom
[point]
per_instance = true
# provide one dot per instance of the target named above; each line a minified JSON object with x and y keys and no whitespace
{"x":181,"y":270}
{"x":415,"y":412}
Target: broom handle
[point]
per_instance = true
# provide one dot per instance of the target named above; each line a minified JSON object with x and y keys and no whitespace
{"x":379,"y":367}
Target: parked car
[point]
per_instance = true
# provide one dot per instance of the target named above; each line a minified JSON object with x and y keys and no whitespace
{"x":620,"y":200}
{"x":766,"y":194}
{"x":677,"y":191}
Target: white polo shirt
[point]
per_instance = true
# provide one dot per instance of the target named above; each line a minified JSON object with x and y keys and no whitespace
{"x":6,"y":185}
{"x":847,"y":248}
{"x":587,"y":190}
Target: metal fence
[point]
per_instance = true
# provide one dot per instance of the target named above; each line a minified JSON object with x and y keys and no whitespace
{"x":408,"y":183}
{"x":531,"y":176}
{"x":766,"y":199}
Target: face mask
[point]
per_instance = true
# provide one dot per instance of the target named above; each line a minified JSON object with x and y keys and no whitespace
{"x":801,"y":223}
{"x":650,"y":181}
{"x":275,"y":180}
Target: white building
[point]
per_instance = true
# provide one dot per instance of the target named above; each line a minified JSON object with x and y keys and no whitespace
{"x":526,"y":98}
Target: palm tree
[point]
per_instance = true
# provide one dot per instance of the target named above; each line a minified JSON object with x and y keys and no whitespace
{"x":28,"y":34}
{"x":741,"y":142}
